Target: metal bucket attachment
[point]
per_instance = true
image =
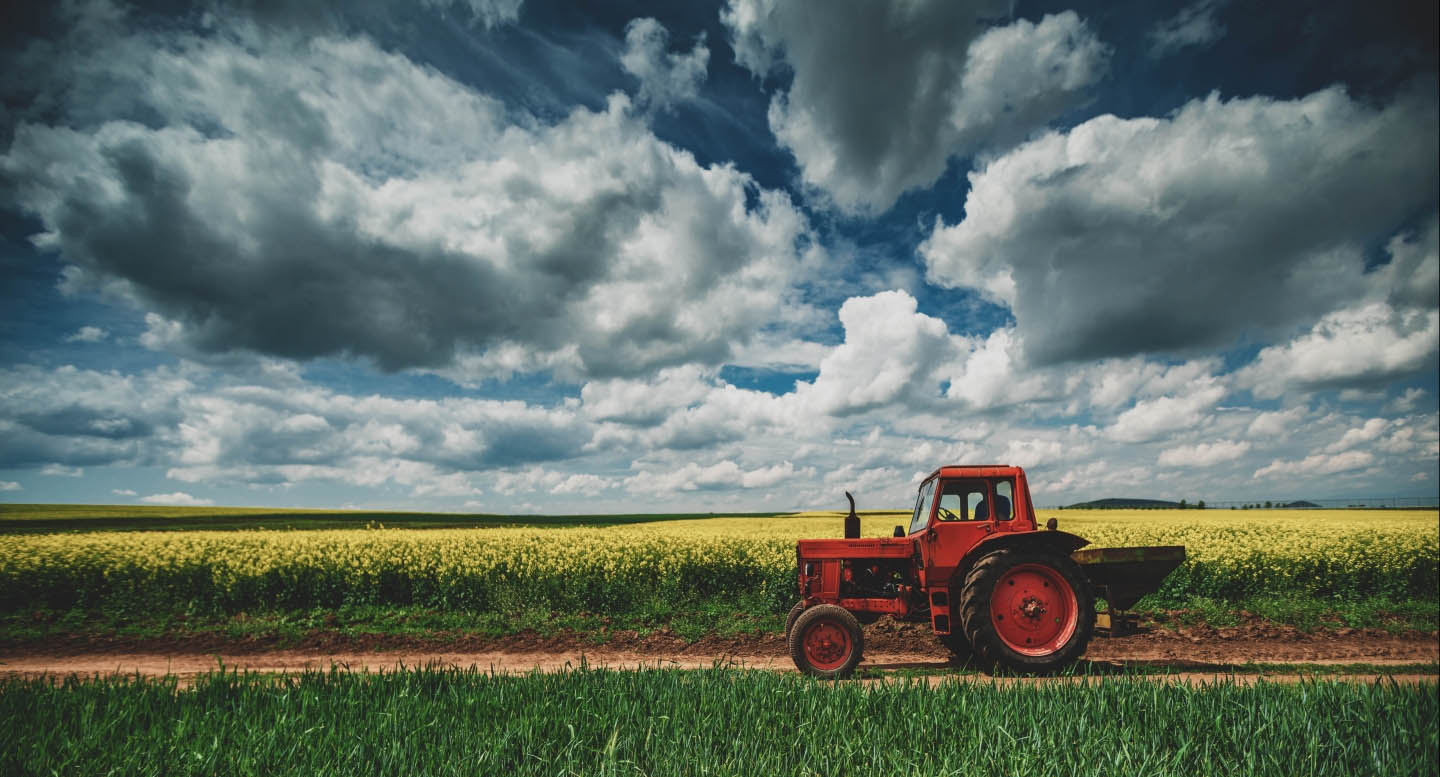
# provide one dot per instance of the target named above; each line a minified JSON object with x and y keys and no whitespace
{"x":1123,"y":575}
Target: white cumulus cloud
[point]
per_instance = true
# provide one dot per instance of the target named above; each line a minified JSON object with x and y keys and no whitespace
{"x":177,"y":498}
{"x":1373,"y":343}
{"x":88,"y":334}
{"x":1148,"y":236}
{"x":891,"y":353}
{"x":1193,"y":25}
{"x":720,"y":475}
{"x":1317,"y":464}
{"x":1203,"y":454}
{"x":1360,"y":435}
{"x":1152,"y":418}
{"x":665,"y":78}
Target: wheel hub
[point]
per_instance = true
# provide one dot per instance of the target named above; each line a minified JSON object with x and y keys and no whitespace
{"x":1033,"y":609}
{"x":826,"y":645}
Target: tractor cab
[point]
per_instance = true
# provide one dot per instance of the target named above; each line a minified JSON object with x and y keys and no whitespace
{"x":991,"y":495}
{"x":958,"y":508}
{"x":964,"y":499}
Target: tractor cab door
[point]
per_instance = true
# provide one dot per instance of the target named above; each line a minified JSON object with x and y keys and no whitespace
{"x":967,"y":510}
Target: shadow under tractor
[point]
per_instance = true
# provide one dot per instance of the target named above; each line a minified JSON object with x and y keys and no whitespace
{"x":995,"y":587}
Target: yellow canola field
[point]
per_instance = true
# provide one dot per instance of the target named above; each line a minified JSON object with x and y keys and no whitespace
{"x":1339,"y":554}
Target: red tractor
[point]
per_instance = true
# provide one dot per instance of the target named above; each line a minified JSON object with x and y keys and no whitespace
{"x":975,"y":564}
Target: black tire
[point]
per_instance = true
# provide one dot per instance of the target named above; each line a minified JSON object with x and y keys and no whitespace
{"x":790,"y":619}
{"x":957,"y":644}
{"x":826,"y":642}
{"x":1060,"y":637}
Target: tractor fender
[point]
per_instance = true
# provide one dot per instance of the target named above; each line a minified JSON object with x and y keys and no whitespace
{"x":1059,"y":542}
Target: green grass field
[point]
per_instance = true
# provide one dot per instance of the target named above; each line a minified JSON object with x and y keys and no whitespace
{"x":709,"y":722}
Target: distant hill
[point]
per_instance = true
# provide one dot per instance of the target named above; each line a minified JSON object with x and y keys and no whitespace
{"x":1300,"y":504}
{"x":1126,"y":504}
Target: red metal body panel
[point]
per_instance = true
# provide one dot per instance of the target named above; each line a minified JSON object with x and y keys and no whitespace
{"x":944,"y":543}
{"x":886,"y":606}
{"x":814,"y":550}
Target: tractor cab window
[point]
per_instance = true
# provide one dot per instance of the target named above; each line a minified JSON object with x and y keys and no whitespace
{"x":1003,"y":506}
{"x":961,"y":500}
{"x":921,"y":519}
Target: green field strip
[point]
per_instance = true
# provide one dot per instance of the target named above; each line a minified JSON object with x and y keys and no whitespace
{"x":1172,"y":668}
{"x":47,"y":518}
{"x":710,"y":722}
{"x":1314,"y":572}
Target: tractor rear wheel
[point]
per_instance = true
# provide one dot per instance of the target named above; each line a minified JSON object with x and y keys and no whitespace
{"x":957,"y":644}
{"x":826,"y":642}
{"x":1029,"y":611}
{"x":790,"y":619}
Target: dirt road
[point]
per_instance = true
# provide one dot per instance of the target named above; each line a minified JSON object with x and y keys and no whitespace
{"x":1198,"y":652}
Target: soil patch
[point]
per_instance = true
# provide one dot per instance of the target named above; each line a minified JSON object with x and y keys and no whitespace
{"x":1254,"y":640}
{"x":889,"y":646}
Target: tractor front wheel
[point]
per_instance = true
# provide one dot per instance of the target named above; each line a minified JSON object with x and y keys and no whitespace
{"x":790,"y":619}
{"x":1029,"y":611}
{"x":826,"y":642}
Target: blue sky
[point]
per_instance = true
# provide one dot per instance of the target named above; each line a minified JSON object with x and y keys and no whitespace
{"x":521,"y":256}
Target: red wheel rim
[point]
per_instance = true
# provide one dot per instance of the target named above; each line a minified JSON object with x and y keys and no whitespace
{"x":827,"y":644}
{"x":1034,"y":610}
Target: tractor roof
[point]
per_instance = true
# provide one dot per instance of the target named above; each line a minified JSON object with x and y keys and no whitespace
{"x":977,"y":471}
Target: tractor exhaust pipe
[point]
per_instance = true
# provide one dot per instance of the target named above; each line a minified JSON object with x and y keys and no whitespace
{"x":852,"y":521}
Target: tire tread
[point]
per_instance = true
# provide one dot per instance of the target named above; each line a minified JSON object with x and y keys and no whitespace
{"x":846,"y":620}
{"x":987,"y":646}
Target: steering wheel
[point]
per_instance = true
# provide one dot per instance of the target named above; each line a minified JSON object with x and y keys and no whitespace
{"x":946,"y":515}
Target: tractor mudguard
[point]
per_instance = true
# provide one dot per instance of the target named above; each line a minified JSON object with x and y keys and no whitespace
{"x":1061,"y":543}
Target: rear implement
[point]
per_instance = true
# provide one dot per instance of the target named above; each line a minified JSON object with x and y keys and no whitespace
{"x":1122,"y":575}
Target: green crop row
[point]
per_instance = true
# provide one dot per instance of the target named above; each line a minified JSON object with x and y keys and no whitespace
{"x":615,"y":570}
{"x":712,"y":722}
{"x":659,"y":567}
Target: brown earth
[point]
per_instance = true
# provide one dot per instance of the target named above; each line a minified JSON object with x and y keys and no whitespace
{"x":1197,"y":652}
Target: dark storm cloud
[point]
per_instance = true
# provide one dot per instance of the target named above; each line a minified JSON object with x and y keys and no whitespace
{"x":884,"y":94}
{"x":84,"y":422}
{"x":303,"y":288}
{"x":317,"y":198}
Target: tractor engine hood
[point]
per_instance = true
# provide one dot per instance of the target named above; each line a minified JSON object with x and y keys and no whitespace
{"x":870,"y":547}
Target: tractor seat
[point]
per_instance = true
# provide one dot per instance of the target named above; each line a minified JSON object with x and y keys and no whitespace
{"x":982,"y":510}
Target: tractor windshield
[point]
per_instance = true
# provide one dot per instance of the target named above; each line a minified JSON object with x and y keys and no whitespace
{"x":921,"y":519}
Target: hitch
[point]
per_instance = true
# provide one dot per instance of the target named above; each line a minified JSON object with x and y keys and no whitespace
{"x":1116,"y":623}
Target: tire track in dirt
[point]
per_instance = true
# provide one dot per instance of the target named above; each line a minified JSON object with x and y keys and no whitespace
{"x":1246,"y":643}
{"x":899,"y":649}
